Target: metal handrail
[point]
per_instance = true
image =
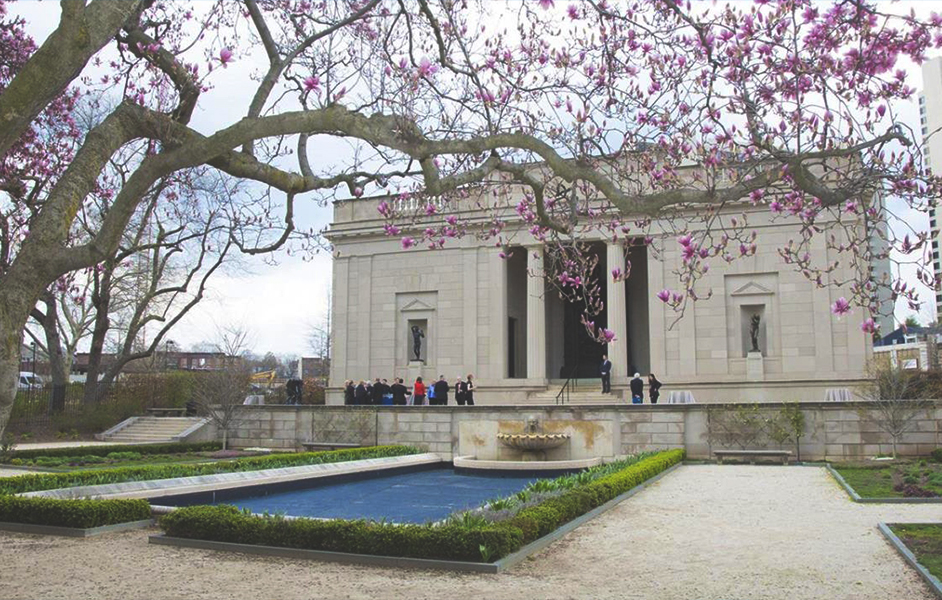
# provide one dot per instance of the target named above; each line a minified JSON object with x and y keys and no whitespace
{"x":567,"y":388}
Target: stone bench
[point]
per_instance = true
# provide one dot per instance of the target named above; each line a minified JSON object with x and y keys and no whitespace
{"x":784,"y":455}
{"x":328,"y":446}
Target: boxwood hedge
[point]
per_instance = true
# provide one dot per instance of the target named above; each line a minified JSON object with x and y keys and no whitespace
{"x":168,"y":448}
{"x":48,"y":481}
{"x":81,"y":514}
{"x":450,"y":541}
{"x":229,"y":524}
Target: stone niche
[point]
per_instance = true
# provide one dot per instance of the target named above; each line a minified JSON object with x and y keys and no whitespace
{"x":416,"y":309}
{"x":748,"y":295}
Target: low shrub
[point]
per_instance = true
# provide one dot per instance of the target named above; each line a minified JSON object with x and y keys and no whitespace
{"x":81,"y":514}
{"x":537,"y":521}
{"x":229,"y":524}
{"x":48,"y":481}
{"x":466,"y":537}
{"x":123,"y":456}
{"x":143,"y":449}
{"x":936,"y":455}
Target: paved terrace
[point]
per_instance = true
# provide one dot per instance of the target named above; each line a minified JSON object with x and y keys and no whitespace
{"x":702,"y":532}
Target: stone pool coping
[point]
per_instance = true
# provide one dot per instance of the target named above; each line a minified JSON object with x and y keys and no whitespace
{"x":470,"y":462}
{"x":857,"y":497}
{"x":934,"y":584}
{"x":413,"y":563}
{"x":157,"y":488}
{"x":75,"y":531}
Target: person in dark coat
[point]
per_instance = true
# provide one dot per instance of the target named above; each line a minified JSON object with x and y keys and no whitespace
{"x":376,"y":394}
{"x":348,"y":393}
{"x":399,"y":392}
{"x":461,"y":388}
{"x":469,"y":390}
{"x":654,"y":388}
{"x":637,"y":389}
{"x":361,"y":395}
{"x":605,"y":370}
{"x":441,"y":391}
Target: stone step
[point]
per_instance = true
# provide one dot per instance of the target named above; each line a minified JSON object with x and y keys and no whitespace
{"x":153,"y":429}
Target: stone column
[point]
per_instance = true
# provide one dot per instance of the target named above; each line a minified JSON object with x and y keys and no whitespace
{"x":536,"y":316}
{"x":617,"y":314}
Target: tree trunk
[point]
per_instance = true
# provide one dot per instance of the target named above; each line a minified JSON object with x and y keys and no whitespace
{"x":101,"y":300}
{"x":58,"y":365}
{"x":14,"y":311}
{"x":225,"y":438}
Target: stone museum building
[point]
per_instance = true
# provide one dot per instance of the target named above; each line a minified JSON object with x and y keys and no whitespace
{"x":481,"y":314}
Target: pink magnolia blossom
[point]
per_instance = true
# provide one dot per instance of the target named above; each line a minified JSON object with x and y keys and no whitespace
{"x":607,"y":335}
{"x":225,"y":55}
{"x":616,"y":274}
{"x":869,"y":326}
{"x":312,"y":83}
{"x":546,"y":4}
{"x":841,"y":306}
{"x":664,"y":295}
{"x":407,"y":242}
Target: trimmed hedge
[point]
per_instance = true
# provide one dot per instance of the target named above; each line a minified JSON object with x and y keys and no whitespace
{"x":49,"y":481}
{"x":450,"y":541}
{"x":168,"y":448}
{"x":549,"y":515}
{"x":81,"y":514}
{"x":229,"y":524}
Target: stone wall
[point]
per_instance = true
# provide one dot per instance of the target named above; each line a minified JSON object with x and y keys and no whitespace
{"x":834,"y":431}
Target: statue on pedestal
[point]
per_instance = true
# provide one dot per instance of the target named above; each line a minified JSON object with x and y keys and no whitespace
{"x":754,"y":332}
{"x":417,"y":335}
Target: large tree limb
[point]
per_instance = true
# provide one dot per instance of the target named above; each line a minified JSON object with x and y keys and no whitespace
{"x":83,"y":31}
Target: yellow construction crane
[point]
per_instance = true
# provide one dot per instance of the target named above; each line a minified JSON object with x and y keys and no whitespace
{"x":264,"y":378}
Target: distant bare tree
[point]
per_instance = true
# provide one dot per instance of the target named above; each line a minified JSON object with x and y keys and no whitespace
{"x":234,"y":339}
{"x":220,"y":397}
{"x":318,"y":336}
{"x":893,"y":403}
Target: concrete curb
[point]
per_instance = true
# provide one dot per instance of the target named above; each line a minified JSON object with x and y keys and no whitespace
{"x":75,"y":531}
{"x":934,"y":584}
{"x":322,"y":555}
{"x":413,"y":563}
{"x":857,"y":498}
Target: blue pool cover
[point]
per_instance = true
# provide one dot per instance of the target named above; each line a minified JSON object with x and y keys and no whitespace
{"x":403,"y":498}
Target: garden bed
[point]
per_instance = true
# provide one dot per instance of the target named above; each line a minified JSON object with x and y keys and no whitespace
{"x":65,"y":464}
{"x":896,"y":481}
{"x":35,"y":482}
{"x":24,"y":456}
{"x":921,"y":546}
{"x":497,"y":530}
{"x":85,"y":514}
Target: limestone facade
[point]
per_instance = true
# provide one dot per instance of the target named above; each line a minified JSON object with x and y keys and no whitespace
{"x":485,"y":315}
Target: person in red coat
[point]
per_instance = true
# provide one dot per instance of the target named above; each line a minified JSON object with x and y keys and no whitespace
{"x":418,"y":390}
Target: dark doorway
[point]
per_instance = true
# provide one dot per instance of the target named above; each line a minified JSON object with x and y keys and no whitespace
{"x":582,"y":354}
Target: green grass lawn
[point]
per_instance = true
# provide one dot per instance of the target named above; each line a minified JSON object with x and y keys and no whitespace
{"x":925,"y":541}
{"x":898,"y":479}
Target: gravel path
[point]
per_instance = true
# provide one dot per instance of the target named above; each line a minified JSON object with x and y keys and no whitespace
{"x":702,"y":532}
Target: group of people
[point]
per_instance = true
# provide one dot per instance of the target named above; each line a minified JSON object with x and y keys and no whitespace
{"x":436,"y":393}
{"x":636,"y":384}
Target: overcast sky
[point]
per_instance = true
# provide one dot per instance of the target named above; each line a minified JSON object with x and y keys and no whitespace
{"x":278,"y":302}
